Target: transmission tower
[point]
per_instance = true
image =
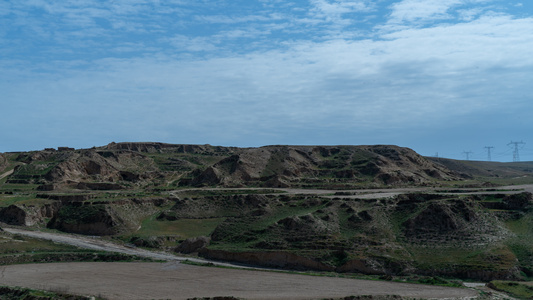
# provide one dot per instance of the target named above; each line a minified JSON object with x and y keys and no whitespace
{"x":488,"y":152}
{"x":467,"y":153}
{"x":516,"y":155}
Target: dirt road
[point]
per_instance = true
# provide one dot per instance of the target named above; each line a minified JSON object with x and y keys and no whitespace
{"x":174,"y":280}
{"x":382,"y":193}
{"x":95,"y":243}
{"x":6,"y":174}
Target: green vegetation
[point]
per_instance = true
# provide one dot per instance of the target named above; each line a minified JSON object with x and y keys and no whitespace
{"x":75,"y":214}
{"x":15,"y":249}
{"x":17,"y":187}
{"x":184,"y":228}
{"x":21,"y":199}
{"x":515,"y":289}
{"x":16,"y":293}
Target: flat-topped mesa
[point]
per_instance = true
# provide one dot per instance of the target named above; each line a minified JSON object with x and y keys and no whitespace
{"x":155,"y":147}
{"x":149,"y":163}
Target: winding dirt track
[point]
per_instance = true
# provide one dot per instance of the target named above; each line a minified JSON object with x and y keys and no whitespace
{"x":174,"y":280}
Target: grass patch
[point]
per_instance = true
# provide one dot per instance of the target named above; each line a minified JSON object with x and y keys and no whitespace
{"x":17,"y":187}
{"x":27,"y":199}
{"x":13,"y":244}
{"x":185,"y":228}
{"x":515,"y":289}
{"x":17,"y":249}
{"x":24,"y":293}
{"x":461,"y":258}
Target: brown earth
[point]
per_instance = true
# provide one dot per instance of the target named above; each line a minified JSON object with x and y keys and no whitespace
{"x":117,"y":166}
{"x":289,"y":166}
{"x":178,"y":281}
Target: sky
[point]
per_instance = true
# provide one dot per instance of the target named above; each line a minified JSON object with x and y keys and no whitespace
{"x":442,"y":77}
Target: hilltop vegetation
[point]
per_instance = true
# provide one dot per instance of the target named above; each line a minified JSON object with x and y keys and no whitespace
{"x":243,"y":204}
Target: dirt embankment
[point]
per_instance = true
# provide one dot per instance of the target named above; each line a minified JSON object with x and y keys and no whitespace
{"x":276,"y":259}
{"x":70,"y":214}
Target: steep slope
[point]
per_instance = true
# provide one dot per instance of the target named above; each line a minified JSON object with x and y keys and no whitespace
{"x":284,"y":166}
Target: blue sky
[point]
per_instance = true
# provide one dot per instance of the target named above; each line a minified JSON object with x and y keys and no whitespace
{"x":438,"y":76}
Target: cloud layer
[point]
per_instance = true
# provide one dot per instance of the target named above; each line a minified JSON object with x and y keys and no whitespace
{"x":420,"y":73}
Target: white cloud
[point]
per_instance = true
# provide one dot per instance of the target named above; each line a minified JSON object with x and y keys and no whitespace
{"x":224,"y":19}
{"x":422,"y":10}
{"x":241,"y":33}
{"x":318,"y":76}
{"x":334,"y":11}
{"x":486,"y":42}
{"x":194,"y":44}
{"x":470,"y":14}
{"x":336,"y":7}
{"x":413,"y":78}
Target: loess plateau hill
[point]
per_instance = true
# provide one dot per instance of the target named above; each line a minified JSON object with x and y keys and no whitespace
{"x":380,"y":210}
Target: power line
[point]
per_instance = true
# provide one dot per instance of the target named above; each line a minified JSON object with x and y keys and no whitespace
{"x":467,"y":153}
{"x":516,"y":155}
{"x":488,"y":152}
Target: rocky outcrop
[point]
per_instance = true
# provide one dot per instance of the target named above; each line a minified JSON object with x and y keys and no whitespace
{"x":518,"y":201}
{"x":104,"y":217}
{"x":13,"y":215}
{"x":94,"y":169}
{"x":193,"y":245}
{"x":27,"y":215}
{"x":70,"y":213}
{"x":153,"y":147}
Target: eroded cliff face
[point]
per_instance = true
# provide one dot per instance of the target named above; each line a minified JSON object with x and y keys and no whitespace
{"x":284,"y":166}
{"x":27,"y":215}
{"x":84,"y":217}
{"x":120,"y":164}
{"x":101,"y":168}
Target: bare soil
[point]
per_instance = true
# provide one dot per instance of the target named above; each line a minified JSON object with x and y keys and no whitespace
{"x":174,"y":280}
